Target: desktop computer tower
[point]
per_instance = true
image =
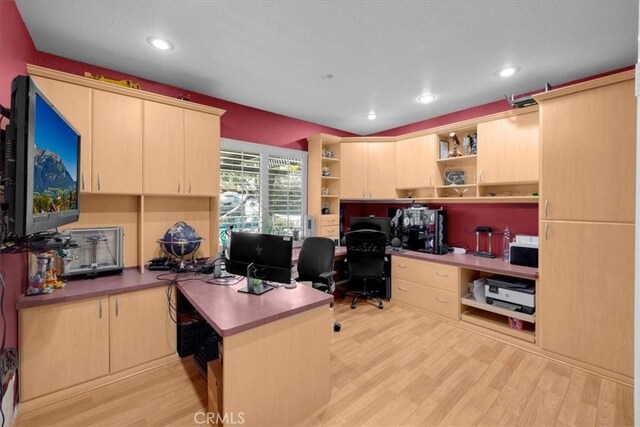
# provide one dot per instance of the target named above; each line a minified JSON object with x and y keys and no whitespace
{"x":424,"y":230}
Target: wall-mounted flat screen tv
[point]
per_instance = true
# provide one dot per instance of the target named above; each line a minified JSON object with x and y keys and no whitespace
{"x":42,"y":163}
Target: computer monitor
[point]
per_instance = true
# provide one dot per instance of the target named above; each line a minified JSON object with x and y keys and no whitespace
{"x":260,"y":256}
{"x":381,"y":223}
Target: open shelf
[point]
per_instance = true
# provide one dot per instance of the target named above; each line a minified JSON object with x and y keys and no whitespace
{"x":457,"y":186}
{"x":330,"y":159}
{"x":330,"y":196}
{"x":330,"y":177}
{"x":468,"y":300}
{"x":498,"y":323}
{"x":458,"y":160}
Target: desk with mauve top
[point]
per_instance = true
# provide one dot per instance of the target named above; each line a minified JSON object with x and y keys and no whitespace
{"x":274,"y":361}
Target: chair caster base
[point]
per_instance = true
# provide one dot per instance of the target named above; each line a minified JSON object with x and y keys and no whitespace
{"x":337,"y":327}
{"x":353,"y":306}
{"x":380,"y":306}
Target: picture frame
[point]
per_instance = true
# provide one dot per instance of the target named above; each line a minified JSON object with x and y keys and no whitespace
{"x":444,"y":149}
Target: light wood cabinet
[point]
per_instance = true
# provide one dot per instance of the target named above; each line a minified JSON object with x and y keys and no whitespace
{"x":367,"y":170}
{"x":62,"y":345}
{"x":141,"y":328}
{"x":201,"y":153}
{"x":381,"y":174}
{"x":353,"y":170}
{"x":74,"y":102}
{"x":415,"y":162}
{"x":585,"y":297}
{"x":508,"y":151}
{"x":428,"y":286}
{"x":163,"y":149}
{"x":588,"y":143}
{"x":116,"y":144}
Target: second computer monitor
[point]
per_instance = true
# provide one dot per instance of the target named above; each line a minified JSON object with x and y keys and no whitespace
{"x":269,"y":254}
{"x":381,"y":223}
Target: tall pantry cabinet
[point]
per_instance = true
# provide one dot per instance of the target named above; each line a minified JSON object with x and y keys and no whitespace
{"x":587,"y":204}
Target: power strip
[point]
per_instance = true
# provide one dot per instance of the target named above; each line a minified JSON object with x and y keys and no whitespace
{"x":458,"y":251}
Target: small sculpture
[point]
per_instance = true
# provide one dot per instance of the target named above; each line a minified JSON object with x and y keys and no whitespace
{"x":325,"y":209}
{"x":326,"y":171}
{"x":327,"y":153}
{"x":456,"y":144}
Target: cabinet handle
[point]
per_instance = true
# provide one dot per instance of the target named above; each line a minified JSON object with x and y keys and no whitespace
{"x":402,"y":289}
{"x":363,"y":193}
{"x":82,"y":180}
{"x":369,"y":193}
{"x":480,"y":176}
{"x":546,"y":228}
{"x":442,"y":274}
{"x":189,"y":186}
{"x":98,"y":182}
{"x":117,"y":308}
{"x":442,"y":300}
{"x":178,"y":186}
{"x":100,"y":309}
{"x":401,"y":266}
{"x":546,"y":208}
{"x":431,"y":180}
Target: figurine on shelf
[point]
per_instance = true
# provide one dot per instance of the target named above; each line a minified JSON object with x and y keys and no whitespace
{"x":325,"y":209}
{"x":325,"y":191}
{"x":328,"y":154}
{"x":456,"y":144}
{"x":474,"y":144}
{"x":466,"y":145}
{"x":326,"y":171}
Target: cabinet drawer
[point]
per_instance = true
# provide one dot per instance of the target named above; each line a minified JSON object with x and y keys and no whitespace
{"x":426,"y":298}
{"x":325,"y":220}
{"x":330,"y":231}
{"x":439,"y":276}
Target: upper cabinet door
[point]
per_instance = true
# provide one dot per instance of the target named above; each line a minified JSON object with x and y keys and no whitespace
{"x":588,"y":151}
{"x":353,"y":170}
{"x":415,"y":162}
{"x":508,"y":150}
{"x":381,"y":165}
{"x":116,"y":144}
{"x":201,"y":154}
{"x":163,"y":149}
{"x":74,"y":102}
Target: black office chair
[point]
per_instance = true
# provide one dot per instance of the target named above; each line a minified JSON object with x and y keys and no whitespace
{"x":315,"y":265}
{"x":365,"y":260}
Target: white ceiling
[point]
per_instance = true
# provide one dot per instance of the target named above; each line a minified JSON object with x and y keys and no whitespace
{"x":273,"y":55}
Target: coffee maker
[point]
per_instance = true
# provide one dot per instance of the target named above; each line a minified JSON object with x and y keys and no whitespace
{"x":424,"y":230}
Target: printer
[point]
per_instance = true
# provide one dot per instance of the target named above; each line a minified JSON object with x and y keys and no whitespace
{"x":524,"y":251}
{"x":512,"y":293}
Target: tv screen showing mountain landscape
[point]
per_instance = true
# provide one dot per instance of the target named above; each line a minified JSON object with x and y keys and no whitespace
{"x":55,"y":181}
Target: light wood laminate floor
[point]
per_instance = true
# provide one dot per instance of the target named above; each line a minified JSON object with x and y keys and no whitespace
{"x":389,"y":367}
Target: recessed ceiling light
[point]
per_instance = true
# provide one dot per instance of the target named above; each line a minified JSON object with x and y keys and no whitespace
{"x":425,"y":99}
{"x":160,"y":44}
{"x":372,"y":116}
{"x":509,"y":71}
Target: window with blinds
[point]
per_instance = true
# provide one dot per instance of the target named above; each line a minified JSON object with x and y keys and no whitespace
{"x":285,"y":194}
{"x":262,"y":188}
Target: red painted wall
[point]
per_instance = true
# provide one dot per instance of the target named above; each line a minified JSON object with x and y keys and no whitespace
{"x":16,"y":50}
{"x":239,"y":122}
{"x":462,"y":219}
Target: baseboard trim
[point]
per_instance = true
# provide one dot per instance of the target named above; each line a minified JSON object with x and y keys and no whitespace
{"x":48,"y":399}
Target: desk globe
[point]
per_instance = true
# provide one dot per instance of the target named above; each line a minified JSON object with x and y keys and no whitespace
{"x":180,"y":242}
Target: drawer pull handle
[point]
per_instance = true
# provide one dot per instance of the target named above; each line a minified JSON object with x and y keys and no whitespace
{"x":401,"y":266}
{"x":402,"y":289}
{"x":100,"y":309}
{"x":117,"y":307}
{"x":546,"y":208}
{"x":442,"y":274}
{"x":442,"y":300}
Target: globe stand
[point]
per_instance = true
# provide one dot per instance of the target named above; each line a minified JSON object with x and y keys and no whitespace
{"x":179,"y":252}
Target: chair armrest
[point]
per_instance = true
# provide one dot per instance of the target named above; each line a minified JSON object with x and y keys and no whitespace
{"x":327,"y":275}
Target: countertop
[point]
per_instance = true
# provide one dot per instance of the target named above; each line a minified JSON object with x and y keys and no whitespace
{"x":130,"y":280}
{"x":231,"y":312}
